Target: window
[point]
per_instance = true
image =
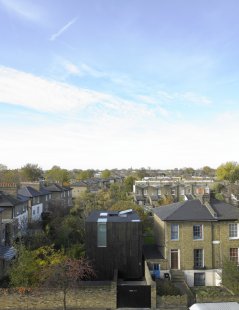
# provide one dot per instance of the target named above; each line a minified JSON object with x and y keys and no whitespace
{"x":37,"y":210}
{"x":159,"y":191}
{"x":198,"y":258}
{"x":101,"y":234}
{"x":197,"y":232}
{"x":234,"y":255}
{"x":199,"y":279}
{"x":33,"y":212}
{"x":233,"y":231}
{"x":174,"y":232}
{"x":145,"y":192}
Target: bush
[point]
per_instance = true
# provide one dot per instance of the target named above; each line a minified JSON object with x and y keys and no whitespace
{"x":166,"y":287}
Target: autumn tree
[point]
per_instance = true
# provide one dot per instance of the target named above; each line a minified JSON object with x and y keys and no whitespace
{"x":58,"y":175}
{"x":165,"y":200}
{"x":228,"y":171}
{"x":26,"y":269}
{"x":208,"y":171}
{"x":129,"y":182}
{"x":31,"y":172}
{"x":67,"y":274}
{"x":105,"y":173}
{"x":85,"y":174}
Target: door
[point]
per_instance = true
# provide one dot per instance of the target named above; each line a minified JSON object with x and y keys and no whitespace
{"x":174,"y":259}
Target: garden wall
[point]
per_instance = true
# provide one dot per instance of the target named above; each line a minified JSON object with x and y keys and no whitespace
{"x":93,"y":295}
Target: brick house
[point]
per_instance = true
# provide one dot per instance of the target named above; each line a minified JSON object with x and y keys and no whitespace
{"x":35,"y":206}
{"x":195,"y":236}
{"x":150,"y":192}
{"x":60,"y":195}
{"x":15,"y":212}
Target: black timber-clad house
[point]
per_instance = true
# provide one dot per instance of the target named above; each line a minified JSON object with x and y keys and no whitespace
{"x":114,"y":241}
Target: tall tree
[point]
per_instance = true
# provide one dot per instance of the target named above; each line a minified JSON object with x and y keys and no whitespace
{"x":228,"y":171}
{"x":85,"y":174}
{"x":58,"y":175}
{"x":31,"y":172}
{"x":105,"y":173}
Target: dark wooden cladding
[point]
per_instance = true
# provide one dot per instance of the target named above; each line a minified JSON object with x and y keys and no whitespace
{"x":123,"y":250}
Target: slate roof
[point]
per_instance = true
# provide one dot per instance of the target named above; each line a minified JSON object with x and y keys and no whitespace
{"x":7,"y":200}
{"x":194,"y":210}
{"x":28,"y":191}
{"x":54,"y":188}
{"x":225,"y":211}
{"x":57,"y":188}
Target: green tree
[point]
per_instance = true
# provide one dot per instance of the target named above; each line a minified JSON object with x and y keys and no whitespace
{"x":208,"y":171}
{"x":31,"y":172}
{"x":24,"y":270}
{"x":105,"y":173}
{"x":129,"y":182}
{"x":230,"y":275}
{"x":228,"y":171}
{"x":85,"y":174}
{"x":10,"y":176}
{"x":56,"y":174}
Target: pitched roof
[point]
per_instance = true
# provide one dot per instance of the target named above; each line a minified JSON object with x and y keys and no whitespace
{"x":28,"y":191}
{"x":54,"y":188}
{"x":225,"y":211}
{"x":7,"y":200}
{"x":194,"y":210}
{"x":189,"y":210}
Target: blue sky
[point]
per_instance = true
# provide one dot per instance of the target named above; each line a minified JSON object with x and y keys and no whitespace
{"x":119,"y":84}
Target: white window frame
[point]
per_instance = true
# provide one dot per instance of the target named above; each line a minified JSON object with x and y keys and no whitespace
{"x":233,"y":256}
{"x":237,"y":231}
{"x":199,"y":267}
{"x":172,"y":232}
{"x":201,"y":225}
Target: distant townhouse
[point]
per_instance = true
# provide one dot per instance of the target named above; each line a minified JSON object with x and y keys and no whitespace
{"x":35,"y":206}
{"x":149,"y":192}
{"x":93,"y":185}
{"x":15,"y":213}
{"x":60,"y":195}
{"x":194,"y":237}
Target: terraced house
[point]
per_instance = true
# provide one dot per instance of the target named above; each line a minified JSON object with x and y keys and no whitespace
{"x":195,"y":237}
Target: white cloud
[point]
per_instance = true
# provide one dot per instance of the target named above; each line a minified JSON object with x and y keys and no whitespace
{"x":62,"y":29}
{"x":24,"y":9}
{"x":25,"y":89}
{"x":195,"y":99}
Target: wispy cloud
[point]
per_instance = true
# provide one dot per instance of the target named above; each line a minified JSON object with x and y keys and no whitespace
{"x":24,"y":9}
{"x":41,"y":94}
{"x":63,"y":29}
